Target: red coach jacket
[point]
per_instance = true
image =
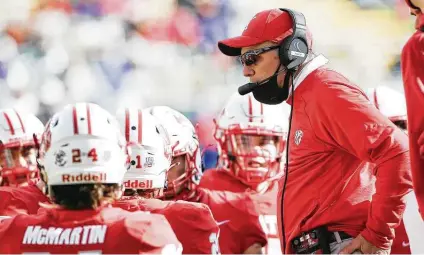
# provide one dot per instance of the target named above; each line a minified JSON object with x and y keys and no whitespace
{"x":335,"y":131}
{"x":413,"y":82}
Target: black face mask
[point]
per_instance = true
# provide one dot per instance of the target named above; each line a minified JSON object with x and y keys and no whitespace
{"x":269,"y":92}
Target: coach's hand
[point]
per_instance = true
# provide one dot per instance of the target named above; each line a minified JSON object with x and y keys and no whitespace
{"x":362,"y":245}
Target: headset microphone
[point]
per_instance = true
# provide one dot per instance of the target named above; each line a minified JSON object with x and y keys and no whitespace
{"x":249,"y":87}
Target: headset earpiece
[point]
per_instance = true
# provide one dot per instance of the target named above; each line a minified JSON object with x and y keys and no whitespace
{"x":294,"y":49}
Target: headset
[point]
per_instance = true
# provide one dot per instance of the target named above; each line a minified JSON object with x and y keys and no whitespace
{"x":294,"y":48}
{"x":293,"y":52}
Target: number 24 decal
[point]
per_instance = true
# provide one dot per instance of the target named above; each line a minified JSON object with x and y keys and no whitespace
{"x":76,"y":155}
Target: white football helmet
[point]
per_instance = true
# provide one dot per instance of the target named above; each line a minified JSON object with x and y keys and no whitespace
{"x":391,"y":104}
{"x":82,"y":144}
{"x":18,"y":163}
{"x":251,"y":138}
{"x":184,"y":142}
{"x":150,"y":150}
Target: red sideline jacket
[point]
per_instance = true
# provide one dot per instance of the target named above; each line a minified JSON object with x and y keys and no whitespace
{"x":335,"y":130}
{"x":413,"y":82}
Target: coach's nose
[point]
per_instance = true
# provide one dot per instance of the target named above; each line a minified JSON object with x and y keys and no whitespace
{"x":248,"y":72}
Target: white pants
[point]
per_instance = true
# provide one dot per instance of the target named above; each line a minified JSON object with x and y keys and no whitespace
{"x":337,"y":246}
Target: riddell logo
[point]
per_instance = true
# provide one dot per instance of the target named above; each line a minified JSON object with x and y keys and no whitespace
{"x":84,"y":177}
{"x":148,"y":184}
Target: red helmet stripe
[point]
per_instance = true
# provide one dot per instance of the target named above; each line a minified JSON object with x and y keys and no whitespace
{"x":75,"y":119}
{"x":12,"y":130}
{"x":20,"y":121}
{"x":376,"y":99}
{"x":127,"y":125}
{"x":140,"y":118}
{"x":88,"y":119}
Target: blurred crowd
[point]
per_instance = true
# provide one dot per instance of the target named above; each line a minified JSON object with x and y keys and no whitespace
{"x":110,"y":52}
{"x":152,"y":52}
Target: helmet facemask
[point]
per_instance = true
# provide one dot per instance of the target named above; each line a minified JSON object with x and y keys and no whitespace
{"x":184,"y":175}
{"x":18,"y":164}
{"x":252,"y":154}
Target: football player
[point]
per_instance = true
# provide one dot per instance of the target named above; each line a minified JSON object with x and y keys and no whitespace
{"x":83,"y":159}
{"x":238,"y":218}
{"x":21,"y":189}
{"x":17,"y":149}
{"x":251,"y":140}
{"x":150,"y":146}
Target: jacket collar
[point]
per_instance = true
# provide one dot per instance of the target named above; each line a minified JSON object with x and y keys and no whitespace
{"x":313,"y":65}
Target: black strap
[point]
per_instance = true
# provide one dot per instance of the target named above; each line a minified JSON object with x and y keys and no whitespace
{"x":324,"y":239}
{"x":342,"y":235}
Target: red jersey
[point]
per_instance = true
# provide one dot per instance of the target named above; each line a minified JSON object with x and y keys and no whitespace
{"x":107,"y":230}
{"x":220,"y":179}
{"x":237,"y":217}
{"x":21,"y":200}
{"x":334,"y":131}
{"x":192,"y":223}
{"x":413,"y":82}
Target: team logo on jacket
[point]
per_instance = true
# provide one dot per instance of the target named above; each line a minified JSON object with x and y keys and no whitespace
{"x":298,"y":136}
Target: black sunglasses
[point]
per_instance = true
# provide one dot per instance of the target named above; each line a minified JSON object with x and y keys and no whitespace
{"x":250,"y":57}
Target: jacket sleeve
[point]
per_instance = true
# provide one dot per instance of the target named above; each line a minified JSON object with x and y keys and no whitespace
{"x":348,"y":121}
{"x":413,"y":82}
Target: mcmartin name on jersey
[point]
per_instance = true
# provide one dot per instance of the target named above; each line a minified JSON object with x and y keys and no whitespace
{"x":94,"y":234}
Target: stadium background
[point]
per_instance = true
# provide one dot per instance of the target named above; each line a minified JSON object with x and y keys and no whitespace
{"x":163,"y":52}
